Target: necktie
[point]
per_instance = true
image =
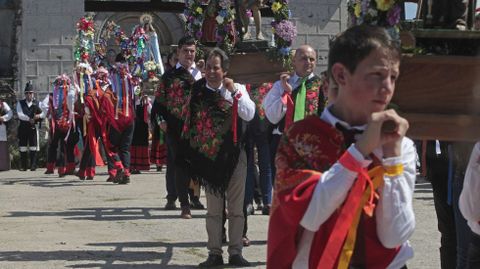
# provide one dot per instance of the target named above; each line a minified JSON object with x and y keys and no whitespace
{"x":299,"y":112}
{"x":348,"y":134}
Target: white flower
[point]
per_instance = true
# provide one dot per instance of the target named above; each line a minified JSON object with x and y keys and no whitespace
{"x":219,"y":19}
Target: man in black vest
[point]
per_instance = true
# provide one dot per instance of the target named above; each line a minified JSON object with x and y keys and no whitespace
{"x":29,"y":114}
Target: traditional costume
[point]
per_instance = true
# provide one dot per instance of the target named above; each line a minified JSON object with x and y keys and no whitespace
{"x":5,"y":115}
{"x":140,"y":158}
{"x":170,"y":99}
{"x":329,"y":211}
{"x":117,"y":110}
{"x":158,"y":148}
{"x":281,"y":108}
{"x":27,"y":129}
{"x":214,"y":154}
{"x":93,"y":129}
{"x":62,"y":124}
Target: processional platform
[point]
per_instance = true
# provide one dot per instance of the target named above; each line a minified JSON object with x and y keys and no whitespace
{"x":440,"y":94}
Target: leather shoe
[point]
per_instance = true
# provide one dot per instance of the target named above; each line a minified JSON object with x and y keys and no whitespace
{"x":124,"y":180}
{"x":212,"y":261}
{"x":266,"y":210}
{"x":196,"y":204}
{"x":186,"y":214}
{"x":170,"y":205}
{"x":238,"y":260}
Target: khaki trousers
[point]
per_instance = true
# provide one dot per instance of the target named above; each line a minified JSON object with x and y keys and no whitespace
{"x":234,"y":197}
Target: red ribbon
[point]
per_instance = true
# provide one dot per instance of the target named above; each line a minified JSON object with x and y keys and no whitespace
{"x":235,"y":116}
{"x":347,"y":212}
{"x":234,"y":119}
{"x":287,"y":100}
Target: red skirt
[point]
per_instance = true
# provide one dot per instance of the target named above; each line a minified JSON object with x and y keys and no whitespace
{"x":158,"y":153}
{"x":139,"y":158}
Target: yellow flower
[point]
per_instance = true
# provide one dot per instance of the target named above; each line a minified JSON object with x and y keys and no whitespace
{"x":384,"y":5}
{"x":276,"y":6}
{"x":357,"y":10}
{"x":199,"y":10}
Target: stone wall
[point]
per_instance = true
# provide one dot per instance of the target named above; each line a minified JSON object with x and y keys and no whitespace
{"x":47,"y":33}
{"x":46,"y":39}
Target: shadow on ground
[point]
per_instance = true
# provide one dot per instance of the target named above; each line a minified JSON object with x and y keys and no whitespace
{"x":120,"y":255}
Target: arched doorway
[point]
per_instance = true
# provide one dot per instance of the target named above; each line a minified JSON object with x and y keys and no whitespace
{"x":169,"y":27}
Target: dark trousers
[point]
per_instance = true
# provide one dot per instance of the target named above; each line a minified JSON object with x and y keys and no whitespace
{"x":57,"y":145}
{"x":170,"y":174}
{"x":72,"y":141}
{"x":119,"y":143}
{"x":474,"y":252}
{"x":27,"y":135}
{"x":182,"y":179}
{"x":451,"y":223}
{"x":274,"y":141}
{"x":264,"y":165}
{"x":437,"y":174}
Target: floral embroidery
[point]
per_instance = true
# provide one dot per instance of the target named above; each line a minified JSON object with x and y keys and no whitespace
{"x":308,"y":145}
{"x":258,"y":94}
{"x":173,"y":91}
{"x":210,"y":120}
{"x":312,"y":96}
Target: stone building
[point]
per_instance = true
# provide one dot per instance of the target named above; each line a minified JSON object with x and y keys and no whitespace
{"x":37,"y":45}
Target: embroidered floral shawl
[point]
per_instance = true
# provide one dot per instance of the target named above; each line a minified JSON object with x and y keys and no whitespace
{"x":212,"y":154}
{"x":171,"y":97}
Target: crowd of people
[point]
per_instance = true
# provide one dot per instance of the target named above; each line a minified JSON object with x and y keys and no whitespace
{"x":322,"y":155}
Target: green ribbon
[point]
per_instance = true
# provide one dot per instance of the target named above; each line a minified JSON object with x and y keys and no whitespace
{"x":299,"y":112}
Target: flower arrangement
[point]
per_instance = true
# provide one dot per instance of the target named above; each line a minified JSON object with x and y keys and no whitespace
{"x":224,"y":15}
{"x":121,"y":39}
{"x":194,"y":14}
{"x":385,"y":13}
{"x":284,"y":31}
{"x":84,"y":46}
{"x":225,"y":35}
{"x":151,"y":68}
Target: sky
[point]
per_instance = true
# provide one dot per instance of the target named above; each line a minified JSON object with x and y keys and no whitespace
{"x":411,"y":10}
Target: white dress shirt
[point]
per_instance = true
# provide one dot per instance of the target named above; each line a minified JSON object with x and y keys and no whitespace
{"x":469,"y":198}
{"x":193,"y":70}
{"x":274,"y":107}
{"x":22,"y":116}
{"x":246,"y":107}
{"x":394,"y":212}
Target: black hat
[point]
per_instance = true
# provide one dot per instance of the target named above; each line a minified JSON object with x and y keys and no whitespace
{"x":28,"y":87}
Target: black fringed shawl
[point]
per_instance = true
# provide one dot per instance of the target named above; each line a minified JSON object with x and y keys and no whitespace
{"x":208,"y":138}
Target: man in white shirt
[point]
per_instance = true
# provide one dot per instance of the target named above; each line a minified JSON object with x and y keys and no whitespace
{"x":293,"y":97}
{"x":171,"y":97}
{"x":214,"y":133}
{"x":343,"y":196}
{"x":469,"y":204}
{"x":29,"y":113}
